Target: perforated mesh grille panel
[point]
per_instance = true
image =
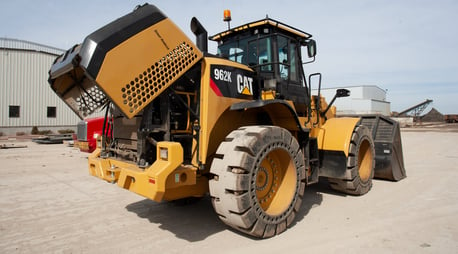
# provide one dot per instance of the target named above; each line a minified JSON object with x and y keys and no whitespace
{"x":156,"y":78}
{"x":88,"y":102}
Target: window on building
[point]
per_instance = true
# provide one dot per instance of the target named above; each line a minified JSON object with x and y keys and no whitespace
{"x":51,"y":112}
{"x":14,"y":111}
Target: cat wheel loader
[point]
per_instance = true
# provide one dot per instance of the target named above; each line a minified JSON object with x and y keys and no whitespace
{"x":240,"y":125}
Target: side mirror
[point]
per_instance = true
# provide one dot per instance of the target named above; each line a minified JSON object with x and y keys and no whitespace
{"x":339,"y":93}
{"x":342,"y":93}
{"x":311,"y":48}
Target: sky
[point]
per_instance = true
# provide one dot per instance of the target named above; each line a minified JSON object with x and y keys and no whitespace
{"x":408,"y":48}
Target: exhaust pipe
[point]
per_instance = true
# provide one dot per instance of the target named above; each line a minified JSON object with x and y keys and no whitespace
{"x":201,"y":35}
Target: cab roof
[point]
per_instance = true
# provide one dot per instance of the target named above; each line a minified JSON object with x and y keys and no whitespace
{"x":261,"y":23}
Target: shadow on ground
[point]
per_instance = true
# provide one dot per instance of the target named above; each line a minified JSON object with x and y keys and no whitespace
{"x":197,"y":221}
{"x":312,"y":198}
{"x":192,"y":222}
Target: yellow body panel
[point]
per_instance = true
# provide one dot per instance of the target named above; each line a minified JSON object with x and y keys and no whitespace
{"x":82,"y":145}
{"x":164,"y":176}
{"x":335,"y":134}
{"x":101,"y":168}
{"x":268,"y":95}
{"x":213,"y":106}
{"x":132,"y":80}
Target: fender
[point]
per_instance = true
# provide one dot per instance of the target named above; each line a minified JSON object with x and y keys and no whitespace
{"x":335,"y":134}
{"x":334,"y":139}
{"x":279,"y":110}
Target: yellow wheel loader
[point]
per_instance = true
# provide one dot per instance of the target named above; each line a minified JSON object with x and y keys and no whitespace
{"x":240,"y":125}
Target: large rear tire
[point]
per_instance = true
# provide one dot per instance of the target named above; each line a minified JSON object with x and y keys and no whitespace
{"x":259,"y":180}
{"x":360,"y":164}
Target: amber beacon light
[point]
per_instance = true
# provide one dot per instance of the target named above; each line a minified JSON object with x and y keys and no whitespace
{"x":227,"y":18}
{"x":227,"y":15}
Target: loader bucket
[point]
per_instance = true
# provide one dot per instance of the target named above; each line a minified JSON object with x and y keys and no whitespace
{"x":389,"y":160}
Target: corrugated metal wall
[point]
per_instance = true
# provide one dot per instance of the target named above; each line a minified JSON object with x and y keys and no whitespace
{"x":11,"y":43}
{"x":24,"y":70}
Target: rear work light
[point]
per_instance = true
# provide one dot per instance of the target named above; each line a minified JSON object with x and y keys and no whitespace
{"x":98,"y":141}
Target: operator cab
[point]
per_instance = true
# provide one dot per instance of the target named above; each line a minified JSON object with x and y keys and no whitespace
{"x":273,"y":50}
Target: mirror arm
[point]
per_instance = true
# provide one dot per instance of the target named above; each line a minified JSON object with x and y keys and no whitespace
{"x":339,"y":93}
{"x":323,"y":114}
{"x":311,"y":61}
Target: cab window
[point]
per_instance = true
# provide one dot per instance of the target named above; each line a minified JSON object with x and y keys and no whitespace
{"x":287,"y":57}
{"x":260,"y":53}
{"x":235,"y":51}
{"x":282,"y":49}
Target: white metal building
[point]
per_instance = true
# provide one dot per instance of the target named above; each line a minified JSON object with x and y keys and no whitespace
{"x":363,"y":100}
{"x":26,"y":99}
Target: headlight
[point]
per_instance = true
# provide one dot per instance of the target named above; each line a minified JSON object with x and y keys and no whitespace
{"x":99,"y":142}
{"x":163,"y":153}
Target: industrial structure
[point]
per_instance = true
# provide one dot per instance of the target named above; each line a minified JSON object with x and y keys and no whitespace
{"x":363,"y":100}
{"x":415,"y":111}
{"x":25,"y":102}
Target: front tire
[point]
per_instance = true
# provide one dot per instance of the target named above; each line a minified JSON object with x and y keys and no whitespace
{"x":259,"y":180}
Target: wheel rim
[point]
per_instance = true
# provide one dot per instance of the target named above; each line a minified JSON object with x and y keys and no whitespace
{"x":276,"y":182}
{"x":365,"y":158}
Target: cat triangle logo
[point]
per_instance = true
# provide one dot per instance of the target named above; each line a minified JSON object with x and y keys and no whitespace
{"x":246,"y":91}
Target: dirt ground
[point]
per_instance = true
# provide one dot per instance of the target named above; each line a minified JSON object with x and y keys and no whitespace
{"x":49,"y":204}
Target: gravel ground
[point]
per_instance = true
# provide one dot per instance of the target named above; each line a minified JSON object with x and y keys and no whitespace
{"x":50,"y":204}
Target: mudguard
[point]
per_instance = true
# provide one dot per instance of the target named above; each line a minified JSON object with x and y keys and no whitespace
{"x":333,"y":143}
